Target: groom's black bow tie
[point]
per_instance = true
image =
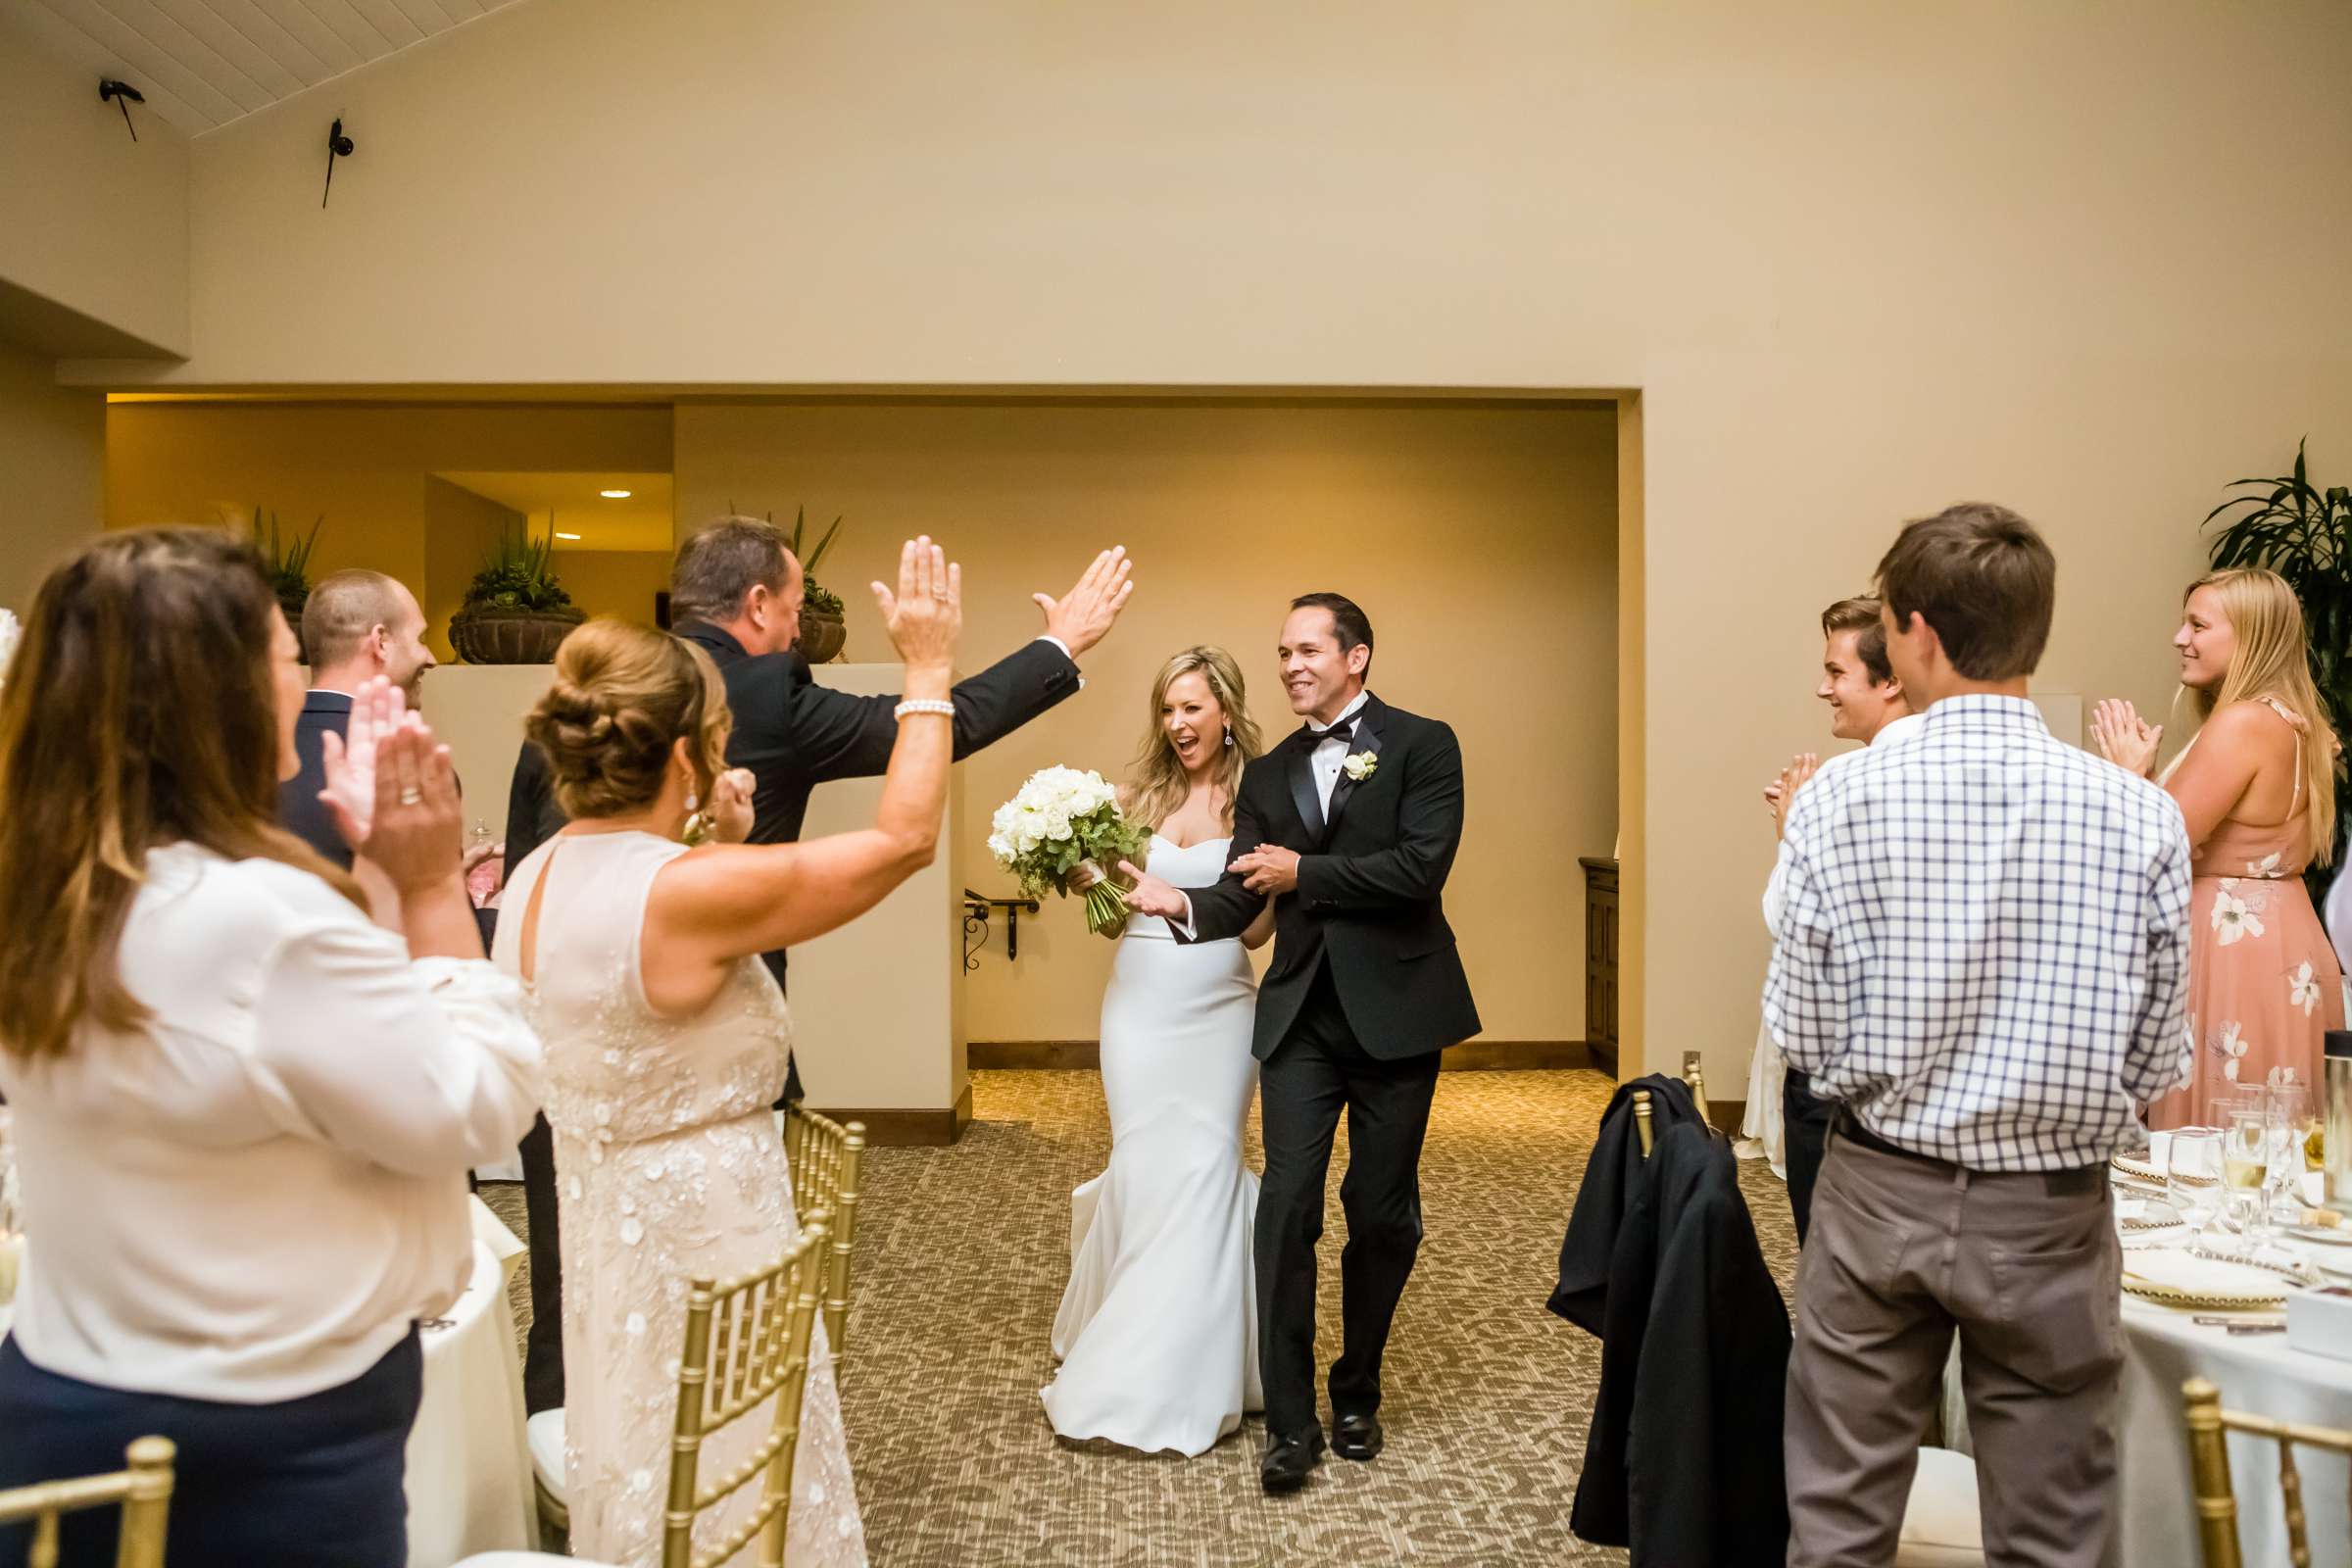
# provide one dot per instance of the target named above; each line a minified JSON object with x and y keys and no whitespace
{"x":1345,"y":729}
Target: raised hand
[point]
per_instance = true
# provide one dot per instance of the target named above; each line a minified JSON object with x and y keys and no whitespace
{"x":377,"y":710}
{"x":925,"y":616}
{"x":1083,"y":617}
{"x":2124,"y":738}
{"x":1152,"y":895}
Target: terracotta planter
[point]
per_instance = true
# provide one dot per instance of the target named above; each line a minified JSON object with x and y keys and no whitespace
{"x":486,"y":635}
{"x":822,"y":634}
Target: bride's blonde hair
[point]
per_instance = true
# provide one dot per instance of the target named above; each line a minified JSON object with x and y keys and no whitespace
{"x":1158,"y":785}
{"x":2271,"y":660}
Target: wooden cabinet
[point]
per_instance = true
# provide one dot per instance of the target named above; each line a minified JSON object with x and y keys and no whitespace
{"x":1601,"y":961}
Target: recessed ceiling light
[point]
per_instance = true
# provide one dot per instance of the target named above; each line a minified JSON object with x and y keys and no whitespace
{"x":615,"y":494}
{"x":567,"y":537}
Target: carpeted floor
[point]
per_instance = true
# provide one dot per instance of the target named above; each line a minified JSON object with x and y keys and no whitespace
{"x":963,"y":1253}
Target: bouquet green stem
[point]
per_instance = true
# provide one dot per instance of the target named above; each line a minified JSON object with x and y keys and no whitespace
{"x":1106,"y":906}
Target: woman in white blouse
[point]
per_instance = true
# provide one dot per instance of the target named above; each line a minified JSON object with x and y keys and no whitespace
{"x":244,"y":1111}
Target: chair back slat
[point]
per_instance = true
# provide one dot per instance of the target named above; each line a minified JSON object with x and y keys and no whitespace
{"x":747,"y":1344}
{"x":2209,"y":1426}
{"x":827,"y":1157}
{"x":143,"y":1489}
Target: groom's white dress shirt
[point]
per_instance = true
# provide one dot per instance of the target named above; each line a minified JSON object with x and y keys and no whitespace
{"x":249,"y":1196}
{"x":1776,"y":891}
{"x":1332,"y":749}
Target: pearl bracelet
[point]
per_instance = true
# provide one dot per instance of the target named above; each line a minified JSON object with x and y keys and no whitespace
{"x":925,"y":705}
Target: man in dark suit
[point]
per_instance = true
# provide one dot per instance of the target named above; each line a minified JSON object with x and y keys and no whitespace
{"x":735,"y":591}
{"x":356,"y":626}
{"x":1352,"y":824}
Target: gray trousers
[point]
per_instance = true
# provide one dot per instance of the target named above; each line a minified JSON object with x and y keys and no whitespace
{"x":2028,"y":1269}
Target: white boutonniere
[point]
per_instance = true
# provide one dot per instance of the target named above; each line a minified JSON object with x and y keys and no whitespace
{"x":1358,"y":765}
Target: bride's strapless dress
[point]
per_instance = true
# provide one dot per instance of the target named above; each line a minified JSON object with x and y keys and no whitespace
{"x":1157,"y":1332}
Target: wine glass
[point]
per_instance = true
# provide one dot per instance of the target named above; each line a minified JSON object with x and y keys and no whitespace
{"x":2246,"y":1165}
{"x":2193,"y":1177}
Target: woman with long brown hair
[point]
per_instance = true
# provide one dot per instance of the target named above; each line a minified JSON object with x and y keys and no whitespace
{"x":1158,"y":1328}
{"x":244,"y":1110}
{"x":2256,"y":786}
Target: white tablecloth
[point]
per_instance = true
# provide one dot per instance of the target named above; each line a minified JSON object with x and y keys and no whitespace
{"x":470,"y":1465}
{"x":2163,"y":1346}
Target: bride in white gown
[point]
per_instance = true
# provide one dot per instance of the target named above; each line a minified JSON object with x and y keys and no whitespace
{"x":1158,"y":1334}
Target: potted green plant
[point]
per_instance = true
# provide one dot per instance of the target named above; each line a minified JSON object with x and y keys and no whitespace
{"x":286,"y":562}
{"x":516,"y":612}
{"x":2304,"y":534}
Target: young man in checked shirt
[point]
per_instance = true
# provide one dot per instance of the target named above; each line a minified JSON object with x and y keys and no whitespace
{"x":1983,"y":961}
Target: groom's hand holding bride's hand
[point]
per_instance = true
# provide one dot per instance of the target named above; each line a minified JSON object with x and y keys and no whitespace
{"x":1270,"y":869}
{"x":1083,"y":617}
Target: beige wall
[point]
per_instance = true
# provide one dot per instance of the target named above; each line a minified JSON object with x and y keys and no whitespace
{"x":94,"y":241}
{"x":1481,"y":542}
{"x":367,"y":468}
{"x":52,"y":471}
{"x":614,"y":582}
{"x":1859,"y":261}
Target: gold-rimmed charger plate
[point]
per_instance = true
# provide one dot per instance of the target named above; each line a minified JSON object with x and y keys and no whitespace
{"x":2179,"y":1277}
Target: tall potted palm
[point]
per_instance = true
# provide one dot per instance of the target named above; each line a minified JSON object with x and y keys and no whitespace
{"x":2303,"y":533}
{"x":516,"y":612}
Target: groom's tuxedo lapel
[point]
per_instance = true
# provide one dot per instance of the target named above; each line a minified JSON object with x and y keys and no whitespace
{"x":1299,"y":769}
{"x":1367,"y":739}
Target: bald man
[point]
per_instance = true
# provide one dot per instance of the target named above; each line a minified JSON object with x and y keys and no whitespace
{"x":356,"y":625}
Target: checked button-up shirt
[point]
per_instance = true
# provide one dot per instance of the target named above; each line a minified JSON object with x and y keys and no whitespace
{"x":1984,"y":953}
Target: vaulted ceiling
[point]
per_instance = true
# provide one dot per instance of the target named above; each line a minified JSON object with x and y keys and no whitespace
{"x":204,"y":62}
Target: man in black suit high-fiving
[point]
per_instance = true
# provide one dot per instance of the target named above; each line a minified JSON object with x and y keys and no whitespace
{"x":1350,"y":826}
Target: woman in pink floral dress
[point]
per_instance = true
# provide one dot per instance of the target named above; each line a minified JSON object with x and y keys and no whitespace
{"x":2257,"y":788}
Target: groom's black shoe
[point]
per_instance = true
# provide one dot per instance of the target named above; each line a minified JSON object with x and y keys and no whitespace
{"x":1288,"y":1459}
{"x":1356,"y":1437}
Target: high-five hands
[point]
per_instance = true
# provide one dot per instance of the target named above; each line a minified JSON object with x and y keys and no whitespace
{"x":1083,"y":617}
{"x":1269,"y":868}
{"x":2123,"y":737}
{"x":925,"y":616}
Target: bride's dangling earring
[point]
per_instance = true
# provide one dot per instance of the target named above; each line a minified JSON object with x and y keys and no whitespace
{"x":1229,"y":734}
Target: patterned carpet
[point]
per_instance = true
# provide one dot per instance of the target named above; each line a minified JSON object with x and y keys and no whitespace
{"x":963,"y":1253}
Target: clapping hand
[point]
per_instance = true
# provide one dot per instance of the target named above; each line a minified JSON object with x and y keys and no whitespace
{"x":1781,"y":794}
{"x":731,"y":805}
{"x":925,"y":616}
{"x":1083,"y":617}
{"x":350,"y":759}
{"x":411,"y":831}
{"x":2124,"y":738}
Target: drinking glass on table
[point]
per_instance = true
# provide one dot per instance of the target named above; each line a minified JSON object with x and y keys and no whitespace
{"x":2291,"y":1118}
{"x":2246,"y":1164}
{"x":2193,"y":1177}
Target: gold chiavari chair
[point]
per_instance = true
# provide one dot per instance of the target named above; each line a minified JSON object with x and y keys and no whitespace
{"x":2209,"y":1426}
{"x":747,"y":1340}
{"x":825,"y":1157}
{"x":144,"y":1490}
{"x":1693,"y":1076}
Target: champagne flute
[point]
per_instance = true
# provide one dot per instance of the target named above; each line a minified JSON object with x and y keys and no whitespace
{"x":2246,"y":1164}
{"x":2288,"y":1110}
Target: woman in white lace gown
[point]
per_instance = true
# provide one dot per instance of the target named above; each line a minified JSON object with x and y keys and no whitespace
{"x":666,"y":1042}
{"x":1157,"y":1329}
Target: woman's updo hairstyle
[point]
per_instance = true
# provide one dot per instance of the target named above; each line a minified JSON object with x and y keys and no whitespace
{"x":622,"y":697}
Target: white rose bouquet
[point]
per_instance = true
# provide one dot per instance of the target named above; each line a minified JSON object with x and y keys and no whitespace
{"x":1063,"y":820}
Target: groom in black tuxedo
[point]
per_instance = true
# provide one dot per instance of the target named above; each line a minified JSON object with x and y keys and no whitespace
{"x":1350,"y":827}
